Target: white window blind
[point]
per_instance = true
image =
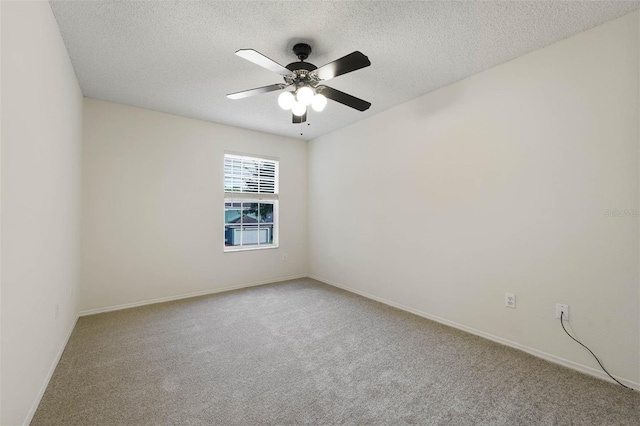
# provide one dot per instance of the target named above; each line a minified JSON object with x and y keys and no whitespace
{"x":250,"y":175}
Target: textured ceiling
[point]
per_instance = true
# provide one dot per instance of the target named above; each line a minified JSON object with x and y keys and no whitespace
{"x":178,"y":57}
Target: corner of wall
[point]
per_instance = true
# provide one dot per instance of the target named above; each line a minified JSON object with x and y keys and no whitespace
{"x":638,"y":26}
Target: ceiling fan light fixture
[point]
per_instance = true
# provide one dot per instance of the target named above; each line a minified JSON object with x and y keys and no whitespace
{"x":298,"y":109}
{"x":303,"y":79}
{"x":286,"y":100}
{"x":305,"y":95}
{"x":319,"y":102}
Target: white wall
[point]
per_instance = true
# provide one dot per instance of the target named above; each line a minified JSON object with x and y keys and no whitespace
{"x":153,"y":207}
{"x":40,"y":169}
{"x":498,"y":183}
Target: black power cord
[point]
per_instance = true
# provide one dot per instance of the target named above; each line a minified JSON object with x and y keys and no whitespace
{"x":594,"y":355}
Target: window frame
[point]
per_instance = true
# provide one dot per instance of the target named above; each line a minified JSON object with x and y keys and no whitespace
{"x":252,"y":197}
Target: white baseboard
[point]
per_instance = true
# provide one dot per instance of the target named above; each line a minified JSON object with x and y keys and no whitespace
{"x":184,"y":296}
{"x":540,"y":354}
{"x":43,"y":388}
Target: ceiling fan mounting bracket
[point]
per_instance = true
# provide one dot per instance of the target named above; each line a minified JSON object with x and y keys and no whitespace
{"x":302,"y":51}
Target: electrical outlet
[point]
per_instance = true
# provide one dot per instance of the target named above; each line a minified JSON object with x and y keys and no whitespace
{"x":562,"y":309}
{"x":284,"y":257}
{"x":510,"y":300}
{"x":57,"y":310}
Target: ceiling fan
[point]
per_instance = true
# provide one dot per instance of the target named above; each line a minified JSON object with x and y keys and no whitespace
{"x":305,"y":79}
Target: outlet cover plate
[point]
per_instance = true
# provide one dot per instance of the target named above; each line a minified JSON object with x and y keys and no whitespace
{"x":560,"y":307}
{"x":510,"y":300}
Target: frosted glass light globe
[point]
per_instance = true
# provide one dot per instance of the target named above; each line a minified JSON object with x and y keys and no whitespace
{"x":304,"y":95}
{"x":286,"y":100}
{"x":319,"y":102}
{"x":298,"y":109}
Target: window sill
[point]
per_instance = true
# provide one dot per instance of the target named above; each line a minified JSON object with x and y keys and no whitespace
{"x":234,"y":249}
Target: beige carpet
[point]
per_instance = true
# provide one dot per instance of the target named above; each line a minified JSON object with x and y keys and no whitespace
{"x":301,"y":352}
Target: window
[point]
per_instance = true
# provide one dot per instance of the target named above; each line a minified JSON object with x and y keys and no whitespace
{"x":250,"y":202}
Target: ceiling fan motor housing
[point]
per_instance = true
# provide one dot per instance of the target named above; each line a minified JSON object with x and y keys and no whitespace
{"x":301,"y":71}
{"x":294,"y":66}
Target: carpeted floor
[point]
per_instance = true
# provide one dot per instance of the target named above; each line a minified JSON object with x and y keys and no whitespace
{"x":303,"y":352}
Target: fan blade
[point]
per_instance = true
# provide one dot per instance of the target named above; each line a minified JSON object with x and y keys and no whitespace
{"x":259,"y":59}
{"x":301,"y":119}
{"x":257,"y":91}
{"x":344,"y":98}
{"x":351,"y":62}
